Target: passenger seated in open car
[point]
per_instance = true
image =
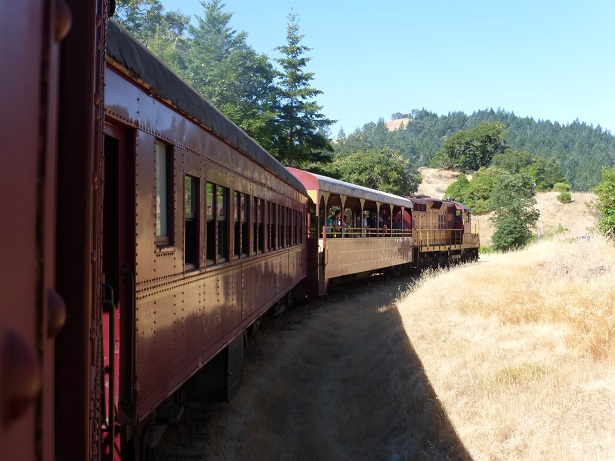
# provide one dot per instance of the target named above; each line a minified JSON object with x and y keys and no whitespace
{"x":371,"y":224}
{"x":383,"y":227}
{"x":402,"y":221}
{"x":335,"y":224}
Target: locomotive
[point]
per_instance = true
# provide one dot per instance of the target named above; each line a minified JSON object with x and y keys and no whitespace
{"x":148,"y":235}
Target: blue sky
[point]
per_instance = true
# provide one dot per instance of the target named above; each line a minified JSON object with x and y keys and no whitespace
{"x":546,"y":60}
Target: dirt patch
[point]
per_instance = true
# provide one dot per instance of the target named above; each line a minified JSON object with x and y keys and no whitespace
{"x":395,"y":124}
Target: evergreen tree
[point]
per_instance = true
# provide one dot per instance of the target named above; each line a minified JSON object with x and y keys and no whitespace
{"x":163,"y":32}
{"x":513,"y":201}
{"x":301,"y":130}
{"x":230,"y":74}
{"x":545,"y":174}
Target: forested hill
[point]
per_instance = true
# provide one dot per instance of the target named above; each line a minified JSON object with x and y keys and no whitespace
{"x":580,"y":149}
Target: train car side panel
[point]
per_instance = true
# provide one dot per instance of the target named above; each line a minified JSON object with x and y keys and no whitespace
{"x":201,"y":275}
{"x":78,"y":346}
{"x":32,"y":312}
{"x":345,"y":256}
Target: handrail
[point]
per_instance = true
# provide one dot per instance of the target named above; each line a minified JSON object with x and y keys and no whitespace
{"x":352,"y":232}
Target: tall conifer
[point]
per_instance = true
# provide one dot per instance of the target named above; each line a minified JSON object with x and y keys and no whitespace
{"x":301,"y":130}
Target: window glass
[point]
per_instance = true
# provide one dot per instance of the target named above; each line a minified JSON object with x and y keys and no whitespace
{"x":211,"y":224}
{"x":210,"y":200}
{"x":270,"y":223}
{"x":244,"y":200}
{"x":255,"y":222}
{"x":189,"y":196}
{"x":222,"y":213}
{"x":243,"y":205}
{"x":221,"y":202}
{"x":237,"y":224}
{"x":162,"y":191}
{"x":191,"y":228}
{"x":281,"y":219}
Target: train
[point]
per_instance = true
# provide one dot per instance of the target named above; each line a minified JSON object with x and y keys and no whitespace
{"x":146,"y":235}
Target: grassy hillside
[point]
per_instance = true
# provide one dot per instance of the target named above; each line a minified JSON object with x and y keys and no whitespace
{"x":571,"y":220}
{"x":520,"y":350}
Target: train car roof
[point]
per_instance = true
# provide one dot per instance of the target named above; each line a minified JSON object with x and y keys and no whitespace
{"x":461,"y":205}
{"x":131,"y":54}
{"x":313,"y":181}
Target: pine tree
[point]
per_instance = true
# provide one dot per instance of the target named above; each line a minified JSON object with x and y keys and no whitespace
{"x":163,"y":32}
{"x":301,"y":130}
{"x":230,"y":74}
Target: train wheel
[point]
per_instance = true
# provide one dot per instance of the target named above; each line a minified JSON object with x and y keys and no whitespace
{"x":392,"y":272}
{"x":141,"y":446}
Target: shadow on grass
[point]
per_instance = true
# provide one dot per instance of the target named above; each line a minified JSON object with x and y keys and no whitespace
{"x":337,"y":379}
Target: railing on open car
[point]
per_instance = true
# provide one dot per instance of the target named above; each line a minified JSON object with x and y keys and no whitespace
{"x":349,"y":232}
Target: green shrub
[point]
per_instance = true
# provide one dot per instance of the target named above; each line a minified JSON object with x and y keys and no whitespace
{"x":564,"y":197}
{"x":606,"y":202}
{"x":561,"y":187}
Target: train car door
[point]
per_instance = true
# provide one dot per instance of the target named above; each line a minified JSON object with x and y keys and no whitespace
{"x":31,"y":312}
{"x":458,"y":225}
{"x":118,"y":282}
{"x":78,"y":238}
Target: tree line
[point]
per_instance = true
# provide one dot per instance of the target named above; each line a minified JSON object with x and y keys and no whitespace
{"x":273,"y":100}
{"x":579,"y":150}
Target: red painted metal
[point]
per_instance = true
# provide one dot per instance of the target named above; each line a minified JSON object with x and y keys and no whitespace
{"x":31,"y":313}
{"x":79,"y":344}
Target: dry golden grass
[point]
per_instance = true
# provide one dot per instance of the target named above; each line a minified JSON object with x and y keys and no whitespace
{"x":520,"y":349}
{"x":512,"y":358}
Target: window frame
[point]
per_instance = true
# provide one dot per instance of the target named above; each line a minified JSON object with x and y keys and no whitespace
{"x":192,"y":217}
{"x":162,"y":238}
{"x":217,"y":218}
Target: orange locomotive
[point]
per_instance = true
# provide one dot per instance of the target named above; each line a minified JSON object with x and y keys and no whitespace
{"x":442,"y":232}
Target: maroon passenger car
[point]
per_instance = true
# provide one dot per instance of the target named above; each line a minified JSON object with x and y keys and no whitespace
{"x":203,"y":231}
{"x":169,"y":233}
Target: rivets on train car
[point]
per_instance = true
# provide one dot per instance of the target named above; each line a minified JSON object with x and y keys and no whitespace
{"x":20,"y":375}
{"x":93,"y":256}
{"x":63,"y":20}
{"x":56,"y":313}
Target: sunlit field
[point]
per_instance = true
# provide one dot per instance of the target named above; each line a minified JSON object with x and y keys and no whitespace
{"x":520,"y":349}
